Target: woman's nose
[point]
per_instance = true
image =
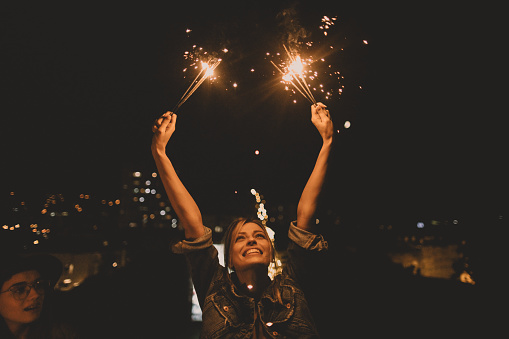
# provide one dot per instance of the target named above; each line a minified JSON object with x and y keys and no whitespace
{"x":251,"y":241}
{"x":34,"y":294}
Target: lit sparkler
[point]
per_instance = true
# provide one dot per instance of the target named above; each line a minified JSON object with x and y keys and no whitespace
{"x":207,"y":71}
{"x":306,"y":64}
{"x":197,"y":57}
{"x":294,"y":75}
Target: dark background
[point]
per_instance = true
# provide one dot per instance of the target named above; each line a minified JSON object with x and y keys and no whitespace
{"x":82,"y":84}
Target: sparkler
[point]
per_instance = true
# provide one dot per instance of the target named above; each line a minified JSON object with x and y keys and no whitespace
{"x":206,"y":71}
{"x":306,"y":65}
{"x":294,"y":75}
{"x":209,"y":63}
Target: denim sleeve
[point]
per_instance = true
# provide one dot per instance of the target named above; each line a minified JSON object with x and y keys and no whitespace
{"x":305,"y":253}
{"x":305,"y":239}
{"x":187,"y":246}
{"x":202,"y":262}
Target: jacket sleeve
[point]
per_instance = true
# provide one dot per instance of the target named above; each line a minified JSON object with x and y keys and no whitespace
{"x":305,"y":251}
{"x":305,"y":239}
{"x":202,"y":262}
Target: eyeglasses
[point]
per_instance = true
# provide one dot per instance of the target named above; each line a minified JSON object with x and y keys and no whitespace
{"x":21,"y":290}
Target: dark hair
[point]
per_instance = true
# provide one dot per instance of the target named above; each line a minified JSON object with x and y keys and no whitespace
{"x":228,"y":240}
{"x":48,"y":266}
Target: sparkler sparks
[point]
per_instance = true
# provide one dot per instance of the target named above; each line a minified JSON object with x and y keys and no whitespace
{"x":294,"y":71}
{"x":206,"y":71}
{"x":196,"y":57}
{"x":327,"y":23}
{"x":305,"y":66}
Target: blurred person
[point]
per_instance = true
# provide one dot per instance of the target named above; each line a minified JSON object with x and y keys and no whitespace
{"x":241,"y":300}
{"x":25,"y":298}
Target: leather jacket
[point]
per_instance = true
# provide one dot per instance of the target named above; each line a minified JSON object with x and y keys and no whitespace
{"x":229,"y":313}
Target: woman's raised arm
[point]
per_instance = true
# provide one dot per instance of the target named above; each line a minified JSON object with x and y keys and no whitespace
{"x":308,"y":201}
{"x":182,"y":202}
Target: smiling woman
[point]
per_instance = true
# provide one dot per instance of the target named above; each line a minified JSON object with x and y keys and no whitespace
{"x":249,"y":250}
{"x":241,"y":300}
{"x":251,"y":246}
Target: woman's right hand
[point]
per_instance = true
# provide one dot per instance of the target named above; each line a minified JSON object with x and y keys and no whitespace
{"x":163,"y":128}
{"x":320,"y":117}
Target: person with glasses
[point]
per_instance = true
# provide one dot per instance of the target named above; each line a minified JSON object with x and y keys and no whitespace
{"x":26,"y":283}
{"x":241,"y":300}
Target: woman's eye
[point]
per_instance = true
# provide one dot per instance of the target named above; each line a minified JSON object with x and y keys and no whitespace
{"x":19,"y":289}
{"x":259,"y":235}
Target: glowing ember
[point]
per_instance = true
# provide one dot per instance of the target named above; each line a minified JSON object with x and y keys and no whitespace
{"x":297,"y":66}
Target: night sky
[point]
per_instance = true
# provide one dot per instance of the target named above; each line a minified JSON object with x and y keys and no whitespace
{"x":81,"y":86}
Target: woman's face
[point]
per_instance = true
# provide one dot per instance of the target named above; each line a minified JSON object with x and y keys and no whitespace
{"x":250,"y":246}
{"x":20,"y":312}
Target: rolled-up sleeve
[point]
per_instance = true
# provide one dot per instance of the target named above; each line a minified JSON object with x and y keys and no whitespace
{"x":187,"y":246}
{"x":305,"y":239}
{"x":305,"y":253}
{"x":202,"y":261}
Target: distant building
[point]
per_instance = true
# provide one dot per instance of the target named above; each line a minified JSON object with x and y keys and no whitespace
{"x":144,"y":203}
